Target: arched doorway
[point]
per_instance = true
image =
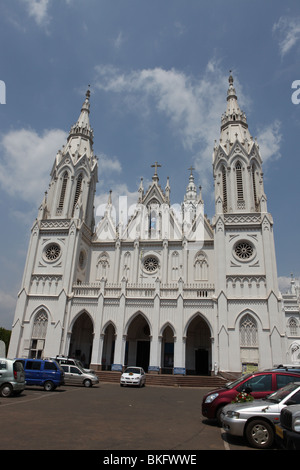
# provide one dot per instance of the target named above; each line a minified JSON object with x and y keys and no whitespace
{"x":167,"y":350}
{"x":137,"y":351}
{"x":82,"y":339}
{"x":108,"y":347}
{"x":198,"y":347}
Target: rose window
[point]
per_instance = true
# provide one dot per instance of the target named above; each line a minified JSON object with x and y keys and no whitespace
{"x":151,"y":264}
{"x":52,"y":252}
{"x":244,"y":250}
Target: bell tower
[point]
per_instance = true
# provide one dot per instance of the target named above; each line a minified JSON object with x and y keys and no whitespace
{"x":59,"y":247}
{"x":74,"y":175}
{"x":237,"y":163}
{"x":244,"y":243}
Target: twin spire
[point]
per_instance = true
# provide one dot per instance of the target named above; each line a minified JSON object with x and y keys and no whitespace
{"x":82,"y":127}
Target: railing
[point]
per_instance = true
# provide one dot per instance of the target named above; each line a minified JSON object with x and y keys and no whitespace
{"x":198,"y":291}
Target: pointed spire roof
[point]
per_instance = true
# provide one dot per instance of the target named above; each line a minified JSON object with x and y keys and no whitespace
{"x":82,"y":127}
{"x":191,"y":190}
{"x":233,"y":122}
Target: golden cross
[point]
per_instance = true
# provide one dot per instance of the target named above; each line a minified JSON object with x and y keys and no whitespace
{"x":155,"y":166}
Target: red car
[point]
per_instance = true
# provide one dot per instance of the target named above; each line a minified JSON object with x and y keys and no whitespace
{"x":258,"y":384}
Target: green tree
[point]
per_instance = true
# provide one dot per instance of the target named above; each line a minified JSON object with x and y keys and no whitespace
{"x":5,"y":336}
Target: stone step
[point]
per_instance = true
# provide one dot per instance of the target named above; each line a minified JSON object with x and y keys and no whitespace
{"x":168,"y":380}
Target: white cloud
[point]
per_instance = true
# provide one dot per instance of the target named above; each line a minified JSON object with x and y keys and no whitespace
{"x":38,"y":10}
{"x":288,"y":30}
{"x":284,"y":284}
{"x":108,"y":164}
{"x":119,"y":40}
{"x":26,"y":162}
{"x":192,"y":105}
{"x":269,"y":139}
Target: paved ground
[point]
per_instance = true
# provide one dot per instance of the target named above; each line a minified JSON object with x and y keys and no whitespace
{"x":108,"y":417}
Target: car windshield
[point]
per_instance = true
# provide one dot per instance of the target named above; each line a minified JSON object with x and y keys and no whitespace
{"x":280,"y":394}
{"x":230,"y":385}
{"x":134,"y":370}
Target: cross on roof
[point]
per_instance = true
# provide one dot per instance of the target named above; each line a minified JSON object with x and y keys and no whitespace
{"x":156,"y":165}
{"x":191,"y":169}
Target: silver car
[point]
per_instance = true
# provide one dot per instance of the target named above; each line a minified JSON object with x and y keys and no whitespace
{"x":76,"y":376}
{"x":12,"y":377}
{"x":255,"y":420}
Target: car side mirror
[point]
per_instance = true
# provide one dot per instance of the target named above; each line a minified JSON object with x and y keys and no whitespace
{"x":248,"y":389}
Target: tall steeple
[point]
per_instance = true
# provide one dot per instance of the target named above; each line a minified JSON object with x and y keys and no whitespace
{"x":75,"y":173}
{"x":233,"y":122}
{"x":81,"y":134}
{"x":237,"y":162}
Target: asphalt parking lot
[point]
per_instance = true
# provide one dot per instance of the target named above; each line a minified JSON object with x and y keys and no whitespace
{"x":108,"y":417}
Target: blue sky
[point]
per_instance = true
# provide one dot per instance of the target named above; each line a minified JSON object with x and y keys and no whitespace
{"x":158,"y":71}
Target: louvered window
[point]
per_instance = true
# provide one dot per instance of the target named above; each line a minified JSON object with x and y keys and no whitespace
{"x":224,"y":185}
{"x":63,"y":192}
{"x":77,"y":192}
{"x":239,"y":182}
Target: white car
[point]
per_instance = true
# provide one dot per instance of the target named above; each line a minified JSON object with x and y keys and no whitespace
{"x":133,"y":376}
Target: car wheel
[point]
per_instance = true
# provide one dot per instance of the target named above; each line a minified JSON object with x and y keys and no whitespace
{"x":48,"y":386}
{"x":87,"y":383}
{"x":6,"y":390}
{"x":260,"y":434}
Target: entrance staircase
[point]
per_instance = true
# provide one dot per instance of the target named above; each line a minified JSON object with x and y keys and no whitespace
{"x":168,"y":380}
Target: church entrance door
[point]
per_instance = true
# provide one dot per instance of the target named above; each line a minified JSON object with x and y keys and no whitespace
{"x":138,"y":343}
{"x":198,"y":347}
{"x":82,"y":339}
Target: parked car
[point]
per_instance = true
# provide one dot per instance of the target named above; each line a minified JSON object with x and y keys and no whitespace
{"x":256,"y":420}
{"x":12,"y":377}
{"x":259,"y":384}
{"x":133,"y":376}
{"x":288,"y":430}
{"x":72,"y":362}
{"x":45,"y":373}
{"x":74,"y":375}
{"x":287,"y":368}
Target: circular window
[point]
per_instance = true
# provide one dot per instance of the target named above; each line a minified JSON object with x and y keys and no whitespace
{"x":151,"y":264}
{"x":244,"y":250}
{"x":52,"y":252}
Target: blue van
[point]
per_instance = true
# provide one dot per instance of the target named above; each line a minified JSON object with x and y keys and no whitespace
{"x":44,"y":373}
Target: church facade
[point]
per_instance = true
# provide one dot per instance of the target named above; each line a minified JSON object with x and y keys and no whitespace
{"x":165,"y":288}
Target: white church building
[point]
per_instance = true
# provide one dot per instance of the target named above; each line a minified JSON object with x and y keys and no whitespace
{"x":168,"y":290}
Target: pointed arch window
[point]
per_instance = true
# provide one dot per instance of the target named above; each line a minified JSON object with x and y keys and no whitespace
{"x":38,"y":336}
{"x":254,"y":185}
{"x":249,"y":350}
{"x":201,"y":267}
{"x":224,"y":189}
{"x":239,"y":181}
{"x":62,"y":193}
{"x":293,"y":327}
{"x":77,"y":191}
{"x":248,"y":332}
